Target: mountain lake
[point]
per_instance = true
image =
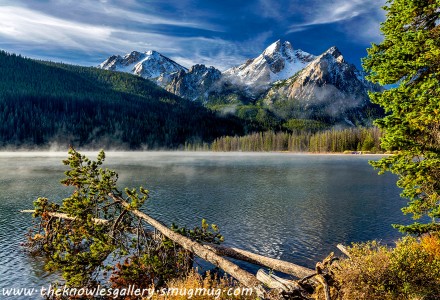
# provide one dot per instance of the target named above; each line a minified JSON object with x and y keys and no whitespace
{"x":296,"y":207}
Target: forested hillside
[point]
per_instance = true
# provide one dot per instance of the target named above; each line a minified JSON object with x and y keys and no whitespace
{"x":44,"y":104}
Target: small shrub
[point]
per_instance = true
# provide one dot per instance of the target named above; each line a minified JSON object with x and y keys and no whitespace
{"x":411,"y":270}
{"x":431,"y":244}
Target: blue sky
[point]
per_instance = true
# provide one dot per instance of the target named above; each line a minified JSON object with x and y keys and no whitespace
{"x":221,"y":33}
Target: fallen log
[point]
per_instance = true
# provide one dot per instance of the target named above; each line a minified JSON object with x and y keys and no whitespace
{"x":244,"y":277}
{"x":272,"y":263}
{"x":236,"y":253}
{"x":65,"y":216}
{"x":211,"y":251}
{"x":274,"y":282}
{"x":343,"y":250}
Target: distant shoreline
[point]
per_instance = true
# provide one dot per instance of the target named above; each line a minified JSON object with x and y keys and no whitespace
{"x":62,"y":152}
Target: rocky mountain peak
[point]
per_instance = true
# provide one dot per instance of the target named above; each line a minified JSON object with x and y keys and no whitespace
{"x":272,"y":49}
{"x":279,"y":61}
{"x":150,"y":65}
{"x":199,"y":68}
{"x":329,"y":84}
{"x":334,"y":53}
{"x":111,"y":62}
{"x":289,"y":53}
{"x":279,"y":49}
{"x":194,"y":84}
{"x":330,"y":68}
{"x":133,"y":56}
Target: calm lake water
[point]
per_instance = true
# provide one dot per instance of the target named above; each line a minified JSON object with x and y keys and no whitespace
{"x":290,"y":206}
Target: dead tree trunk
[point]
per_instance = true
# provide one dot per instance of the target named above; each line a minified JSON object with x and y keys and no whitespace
{"x":244,"y":277}
{"x":275,"y":282}
{"x":343,"y":250}
{"x":236,"y":253}
{"x":212,"y":253}
{"x":65,"y":216}
{"x":275,"y":264}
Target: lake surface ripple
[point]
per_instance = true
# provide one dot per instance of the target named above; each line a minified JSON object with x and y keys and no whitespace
{"x":295,"y":207}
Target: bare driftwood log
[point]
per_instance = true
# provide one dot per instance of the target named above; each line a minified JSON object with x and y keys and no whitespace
{"x":244,"y":277}
{"x":65,"y":216}
{"x":343,"y":250}
{"x":275,"y":282}
{"x":272,"y":263}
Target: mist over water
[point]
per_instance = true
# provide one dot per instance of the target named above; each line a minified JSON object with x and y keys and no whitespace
{"x":295,"y":207}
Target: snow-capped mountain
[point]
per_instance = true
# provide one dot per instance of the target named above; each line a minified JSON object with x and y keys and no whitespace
{"x":150,"y":65}
{"x":194,"y":84}
{"x":277,"y":62}
{"x":328,"y":83}
{"x":323,"y":87}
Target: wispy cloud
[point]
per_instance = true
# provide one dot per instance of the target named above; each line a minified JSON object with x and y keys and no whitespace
{"x":126,"y":13}
{"x":328,"y":12}
{"x":21,"y":24}
{"x":222,"y":33}
{"x":35,"y":29}
{"x":368,"y":28}
{"x":271,"y":9}
{"x":220,"y":53}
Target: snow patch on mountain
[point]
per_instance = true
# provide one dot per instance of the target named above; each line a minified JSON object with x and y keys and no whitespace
{"x":150,"y":65}
{"x":279,"y":61}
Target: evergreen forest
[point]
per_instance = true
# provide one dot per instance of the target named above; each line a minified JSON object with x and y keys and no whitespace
{"x":45,"y":104}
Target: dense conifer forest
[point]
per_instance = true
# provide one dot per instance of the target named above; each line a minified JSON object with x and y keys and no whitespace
{"x":351,"y":140}
{"x":43,"y":104}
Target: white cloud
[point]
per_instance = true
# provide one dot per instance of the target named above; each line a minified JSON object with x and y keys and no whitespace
{"x":270,"y":9}
{"x":328,"y":12}
{"x":117,"y":13}
{"x":338,"y":11}
{"x":366,"y":31}
{"x":29,"y":29}
{"x":113,"y":13}
{"x":86,"y":32}
{"x":21,"y":24}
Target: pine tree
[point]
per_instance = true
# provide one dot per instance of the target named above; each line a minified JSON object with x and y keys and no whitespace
{"x":408,"y":59}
